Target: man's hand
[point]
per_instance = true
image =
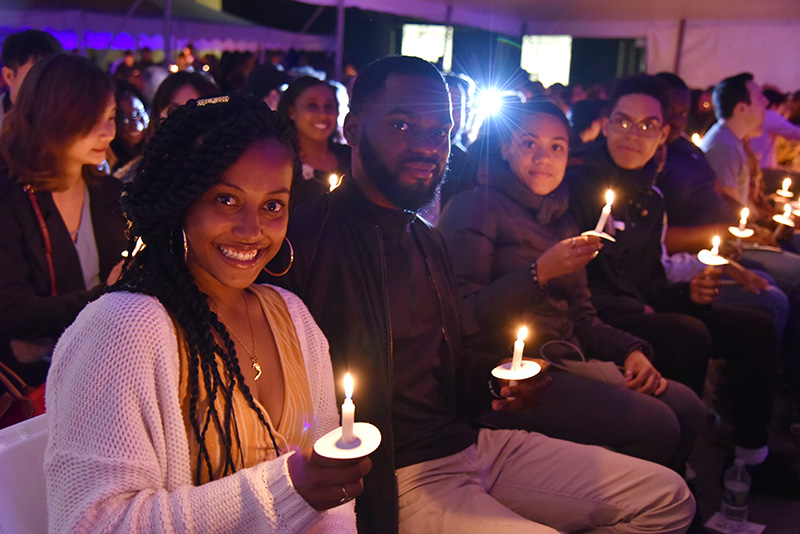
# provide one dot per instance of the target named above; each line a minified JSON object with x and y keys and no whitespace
{"x":763,"y":236}
{"x":527,"y":394}
{"x":567,"y":256}
{"x":749,"y":280}
{"x":704,"y":286}
{"x":324,"y":482}
{"x":640,"y":375}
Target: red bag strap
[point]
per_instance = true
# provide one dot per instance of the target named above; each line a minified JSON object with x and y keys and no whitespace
{"x":48,"y":247}
{"x":12,"y":381}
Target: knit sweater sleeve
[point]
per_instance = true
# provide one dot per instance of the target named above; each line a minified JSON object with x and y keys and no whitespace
{"x":316,"y":352}
{"x":117,"y":459}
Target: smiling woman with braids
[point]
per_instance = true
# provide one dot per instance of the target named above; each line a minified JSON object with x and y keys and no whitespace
{"x":176,"y":398}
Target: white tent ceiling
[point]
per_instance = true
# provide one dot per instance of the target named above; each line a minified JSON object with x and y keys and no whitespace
{"x":719,"y":37}
{"x":581,"y":18}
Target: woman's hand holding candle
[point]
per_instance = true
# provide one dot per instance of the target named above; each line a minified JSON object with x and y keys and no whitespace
{"x":567,"y":256}
{"x":704,"y":286}
{"x":326,"y":482}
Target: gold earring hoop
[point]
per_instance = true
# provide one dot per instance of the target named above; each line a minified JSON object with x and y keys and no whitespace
{"x":291,"y":261}
{"x":185,"y":246}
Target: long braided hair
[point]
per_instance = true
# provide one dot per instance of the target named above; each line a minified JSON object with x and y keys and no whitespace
{"x":185,"y":158}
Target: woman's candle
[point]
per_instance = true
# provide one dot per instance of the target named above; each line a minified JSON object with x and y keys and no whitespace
{"x":787,"y":183}
{"x":348,"y":410}
{"x":601,"y":224}
{"x":519,"y":346}
{"x":334,"y":181}
{"x":715,"y":246}
{"x":743,"y":220}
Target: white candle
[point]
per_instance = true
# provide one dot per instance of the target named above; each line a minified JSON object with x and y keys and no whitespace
{"x":696,"y":139}
{"x":601,"y":224}
{"x":519,"y":346}
{"x":348,"y":410}
{"x":743,"y":220}
{"x":787,"y":183}
{"x":334,"y":180}
{"x":715,"y":246}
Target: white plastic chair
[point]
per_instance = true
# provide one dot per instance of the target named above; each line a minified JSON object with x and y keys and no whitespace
{"x":23,"y":498}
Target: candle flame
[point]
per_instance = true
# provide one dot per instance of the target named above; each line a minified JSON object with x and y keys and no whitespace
{"x":745,"y":214}
{"x":696,"y":139}
{"x":715,"y":246}
{"x":787,"y":210}
{"x":522,"y":333}
{"x":335,"y":181}
{"x":348,"y":386}
{"x":173,"y":68}
{"x":787,"y":183}
{"x":609,"y":197}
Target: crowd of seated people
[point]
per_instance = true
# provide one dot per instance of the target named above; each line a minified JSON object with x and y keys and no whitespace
{"x":181,"y":269}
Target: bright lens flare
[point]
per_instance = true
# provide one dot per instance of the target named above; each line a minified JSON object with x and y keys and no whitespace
{"x":348,"y":386}
{"x":489,"y":102}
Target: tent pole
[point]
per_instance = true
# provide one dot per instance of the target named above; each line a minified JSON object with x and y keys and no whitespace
{"x":339,"y":40}
{"x":168,"y":32}
{"x":678,"y":51}
{"x":121,"y":27}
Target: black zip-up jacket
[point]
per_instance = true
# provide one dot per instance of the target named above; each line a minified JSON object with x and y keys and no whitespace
{"x":628,"y":273}
{"x":340,"y":273}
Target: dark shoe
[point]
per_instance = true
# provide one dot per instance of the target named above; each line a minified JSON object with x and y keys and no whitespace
{"x":774,"y":478}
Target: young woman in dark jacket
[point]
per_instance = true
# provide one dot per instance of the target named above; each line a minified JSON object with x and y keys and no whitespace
{"x":518,"y":259}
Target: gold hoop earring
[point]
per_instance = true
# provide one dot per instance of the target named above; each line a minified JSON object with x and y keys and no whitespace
{"x":291,"y":261}
{"x":185,"y":246}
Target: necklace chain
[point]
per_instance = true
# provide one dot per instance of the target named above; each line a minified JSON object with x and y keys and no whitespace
{"x":253,"y":357}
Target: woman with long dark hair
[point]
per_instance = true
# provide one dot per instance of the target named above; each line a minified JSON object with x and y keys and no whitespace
{"x":62,"y":224}
{"x":188,"y":398}
{"x":311,"y":107}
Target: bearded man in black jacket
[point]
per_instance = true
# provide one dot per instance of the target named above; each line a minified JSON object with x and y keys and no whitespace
{"x":378,"y":281}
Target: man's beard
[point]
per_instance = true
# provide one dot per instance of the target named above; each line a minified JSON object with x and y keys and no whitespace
{"x":406,"y":197}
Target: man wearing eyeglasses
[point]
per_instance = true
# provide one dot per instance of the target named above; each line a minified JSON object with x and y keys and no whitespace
{"x":630,"y":289}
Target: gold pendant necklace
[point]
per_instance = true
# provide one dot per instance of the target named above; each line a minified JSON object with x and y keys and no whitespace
{"x":253,"y":357}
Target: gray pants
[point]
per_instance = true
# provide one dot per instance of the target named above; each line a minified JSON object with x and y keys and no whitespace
{"x":515,"y":482}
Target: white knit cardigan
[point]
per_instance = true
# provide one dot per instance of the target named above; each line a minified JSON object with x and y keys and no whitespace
{"x":117,"y":459}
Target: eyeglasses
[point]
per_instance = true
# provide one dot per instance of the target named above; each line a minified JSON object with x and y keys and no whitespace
{"x":645,"y":129}
{"x":136,"y":117}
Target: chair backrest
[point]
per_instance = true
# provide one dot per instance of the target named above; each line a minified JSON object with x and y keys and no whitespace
{"x":23,"y":498}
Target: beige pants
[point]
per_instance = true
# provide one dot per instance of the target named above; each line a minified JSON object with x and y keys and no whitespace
{"x":515,"y":481}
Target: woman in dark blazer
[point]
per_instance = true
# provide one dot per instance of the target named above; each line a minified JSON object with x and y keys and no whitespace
{"x":61,"y":221}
